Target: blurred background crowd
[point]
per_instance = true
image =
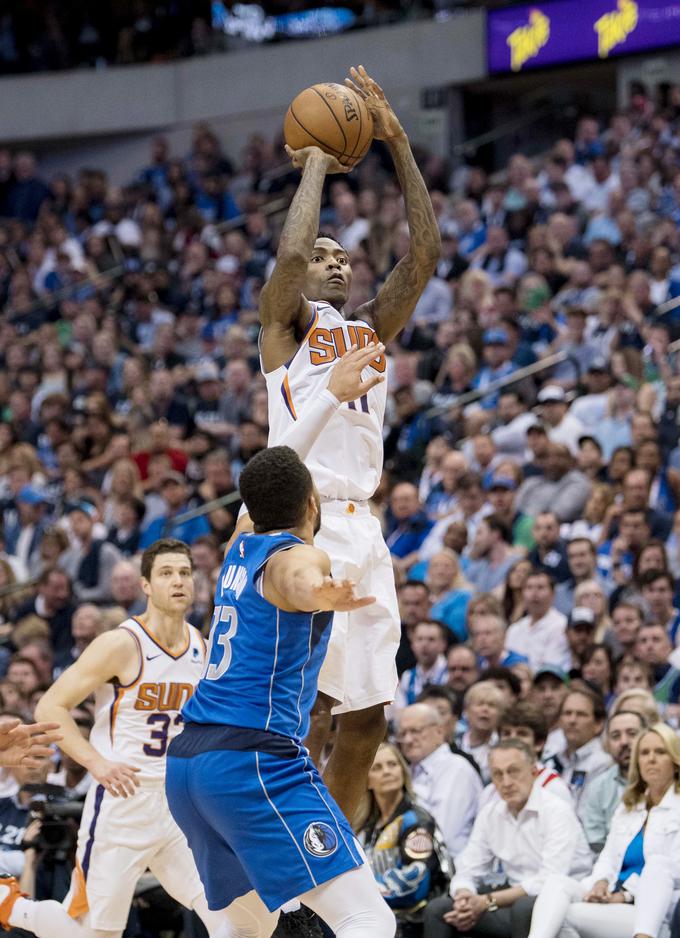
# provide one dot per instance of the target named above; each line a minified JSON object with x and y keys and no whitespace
{"x":531,"y":491}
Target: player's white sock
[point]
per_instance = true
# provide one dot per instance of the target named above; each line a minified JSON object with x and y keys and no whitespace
{"x":292,"y":906}
{"x":46,"y":919}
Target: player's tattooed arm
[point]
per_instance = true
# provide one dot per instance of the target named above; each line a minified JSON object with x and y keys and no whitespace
{"x":282,"y":305}
{"x":396,"y":300}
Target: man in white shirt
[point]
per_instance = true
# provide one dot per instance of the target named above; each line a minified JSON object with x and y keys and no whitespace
{"x":446,"y":785}
{"x":530,"y":832}
{"x":428,"y":642}
{"x":563,"y":427}
{"x":582,"y":717}
{"x":540,"y":635}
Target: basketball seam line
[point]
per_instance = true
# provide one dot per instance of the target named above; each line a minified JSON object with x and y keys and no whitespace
{"x":335,"y":118}
{"x":322,"y":143}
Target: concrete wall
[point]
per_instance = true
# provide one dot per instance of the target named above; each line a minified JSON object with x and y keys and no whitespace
{"x":106,"y":117}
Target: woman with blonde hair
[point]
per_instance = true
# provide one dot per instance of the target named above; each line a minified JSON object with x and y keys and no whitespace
{"x":646,"y":822}
{"x":456,"y":374}
{"x":590,"y":594}
{"x":450,"y":592}
{"x":123,"y":479}
{"x":401,"y":841}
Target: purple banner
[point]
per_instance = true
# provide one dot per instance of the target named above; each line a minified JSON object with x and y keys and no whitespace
{"x":540,"y":34}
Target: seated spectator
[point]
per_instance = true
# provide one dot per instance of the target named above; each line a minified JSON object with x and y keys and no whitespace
{"x":90,"y":562}
{"x":463,"y":670}
{"x":408,"y":526}
{"x":550,"y":552}
{"x":53,"y":603}
{"x":645,"y":823}
{"x":125,"y":588}
{"x":429,"y":641}
{"x":24,"y":537}
{"x":582,"y":717}
{"x":540,"y":635}
{"x":501,"y":494}
{"x":512,"y":592}
{"x":445,"y":785}
{"x":490,"y":554}
{"x":400,"y":839}
{"x":561,"y":489}
{"x":53,"y":546}
{"x":582,"y":564}
{"x":487,"y":637}
{"x":627,"y":617}
{"x":414,"y":605}
{"x":591,"y":595}
{"x":449,"y":706}
{"x":598,"y":669}
{"x":631,"y":674}
{"x":597,"y":808}
{"x":449,"y":591}
{"x":580,"y":632}
{"x":653,"y":647}
{"x":483,"y":707}
{"x":86,"y":625}
{"x":562,"y":426}
{"x":525,"y":813}
{"x":125,"y":530}
{"x":549,"y":688}
{"x":175,"y":492}
{"x":657,"y":590}
{"x":524,"y":721}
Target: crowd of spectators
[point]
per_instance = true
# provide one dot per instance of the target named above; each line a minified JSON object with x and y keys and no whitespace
{"x":534,"y":526}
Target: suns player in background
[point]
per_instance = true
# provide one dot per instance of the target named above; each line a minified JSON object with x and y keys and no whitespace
{"x":304,"y":332}
{"x":141,"y":673}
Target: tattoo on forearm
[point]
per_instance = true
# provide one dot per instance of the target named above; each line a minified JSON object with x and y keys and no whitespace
{"x":302,"y":222}
{"x":423,"y":228}
{"x":394,"y":304}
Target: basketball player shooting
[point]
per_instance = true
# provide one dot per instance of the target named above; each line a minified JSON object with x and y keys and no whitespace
{"x":304,"y":334}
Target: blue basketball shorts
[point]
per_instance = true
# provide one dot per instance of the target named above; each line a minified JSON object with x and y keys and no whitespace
{"x":257,"y":820}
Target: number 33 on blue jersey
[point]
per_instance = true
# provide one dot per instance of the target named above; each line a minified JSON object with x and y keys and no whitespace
{"x":223,"y":628}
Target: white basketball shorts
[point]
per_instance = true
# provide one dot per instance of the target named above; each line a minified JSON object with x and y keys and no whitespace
{"x":119,"y":839}
{"x":360,"y":670}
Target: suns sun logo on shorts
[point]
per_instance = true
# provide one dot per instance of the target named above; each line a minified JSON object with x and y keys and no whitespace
{"x":320,"y":840}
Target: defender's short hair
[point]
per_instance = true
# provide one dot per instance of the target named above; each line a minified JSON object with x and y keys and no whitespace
{"x":275,"y":486}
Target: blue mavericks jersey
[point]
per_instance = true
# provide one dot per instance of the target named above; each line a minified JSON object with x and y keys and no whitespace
{"x":262,"y":663}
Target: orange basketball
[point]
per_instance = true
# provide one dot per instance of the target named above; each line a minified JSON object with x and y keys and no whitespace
{"x":333,"y":118}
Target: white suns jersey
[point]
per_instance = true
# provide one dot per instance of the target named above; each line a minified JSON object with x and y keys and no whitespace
{"x":347,"y":458}
{"x":135,"y":723}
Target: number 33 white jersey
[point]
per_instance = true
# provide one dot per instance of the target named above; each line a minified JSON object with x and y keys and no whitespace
{"x":346,"y":459}
{"x":135,"y":723}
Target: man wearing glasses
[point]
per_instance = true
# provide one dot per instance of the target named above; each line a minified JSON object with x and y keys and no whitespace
{"x":445,"y":784}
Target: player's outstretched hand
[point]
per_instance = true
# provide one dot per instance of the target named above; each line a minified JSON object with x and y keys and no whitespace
{"x":299,"y":159}
{"x":345,"y":382}
{"x":385,"y":122}
{"x":21,"y":743}
{"x":339,"y":596}
{"x":118,"y":778}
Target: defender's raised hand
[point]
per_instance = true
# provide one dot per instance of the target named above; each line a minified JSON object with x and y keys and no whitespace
{"x":385,"y":122}
{"x":346,"y":382}
{"x":339,"y":596}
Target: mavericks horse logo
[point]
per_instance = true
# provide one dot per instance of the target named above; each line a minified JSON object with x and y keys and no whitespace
{"x":320,"y":840}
